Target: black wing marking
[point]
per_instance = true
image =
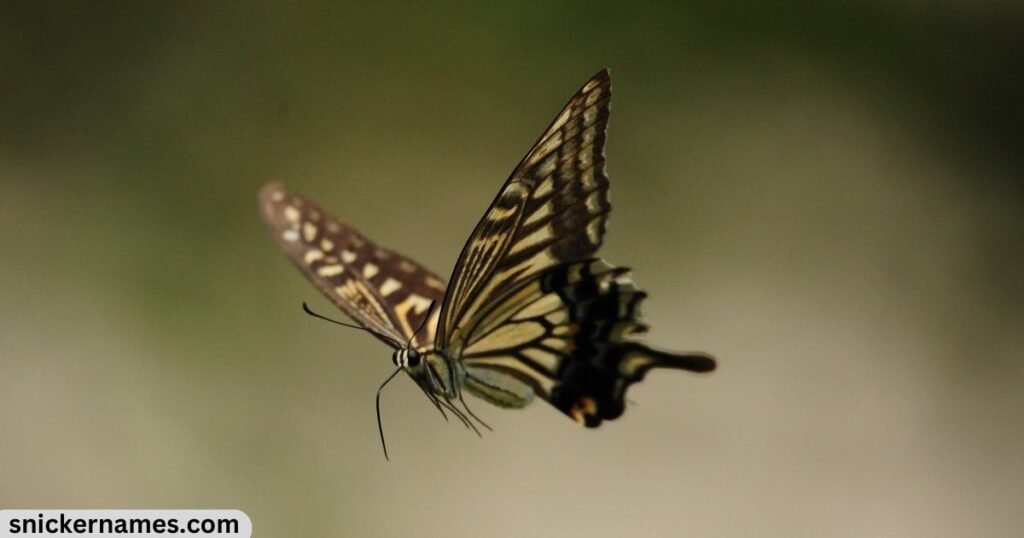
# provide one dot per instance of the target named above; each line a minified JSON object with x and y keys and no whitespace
{"x":562,"y":337}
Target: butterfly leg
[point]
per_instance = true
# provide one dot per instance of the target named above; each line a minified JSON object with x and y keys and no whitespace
{"x":454,"y":390}
{"x":433,"y":400}
{"x":438,"y":394}
{"x":462,"y":416}
{"x":472,"y":414}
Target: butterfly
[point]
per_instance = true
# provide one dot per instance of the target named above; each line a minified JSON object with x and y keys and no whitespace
{"x":529,"y":311}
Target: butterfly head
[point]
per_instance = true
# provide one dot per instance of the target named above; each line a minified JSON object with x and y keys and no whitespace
{"x":406,"y":357}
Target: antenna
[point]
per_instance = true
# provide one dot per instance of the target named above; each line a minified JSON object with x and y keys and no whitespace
{"x":422,"y":323}
{"x":309,"y":311}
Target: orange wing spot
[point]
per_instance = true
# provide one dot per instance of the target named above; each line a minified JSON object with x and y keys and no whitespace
{"x":584,"y":407}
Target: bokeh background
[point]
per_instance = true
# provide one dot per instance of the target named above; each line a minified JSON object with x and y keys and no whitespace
{"x":827,"y":196}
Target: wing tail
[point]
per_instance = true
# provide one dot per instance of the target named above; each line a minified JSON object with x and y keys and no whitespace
{"x":594,"y":391}
{"x":653,"y":358}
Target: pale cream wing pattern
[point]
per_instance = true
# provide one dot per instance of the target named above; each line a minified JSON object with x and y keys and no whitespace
{"x":551,"y":210}
{"x":563,"y":337}
{"x":530,"y":312}
{"x":380,"y":289}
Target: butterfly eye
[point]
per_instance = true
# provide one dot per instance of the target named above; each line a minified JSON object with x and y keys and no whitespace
{"x":414,"y":357}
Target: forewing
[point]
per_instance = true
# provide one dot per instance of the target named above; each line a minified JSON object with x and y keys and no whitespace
{"x":562,"y":337}
{"x":551,"y":210}
{"x":383,"y":291}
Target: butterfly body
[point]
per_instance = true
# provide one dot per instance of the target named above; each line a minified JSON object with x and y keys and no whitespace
{"x":529,"y":311}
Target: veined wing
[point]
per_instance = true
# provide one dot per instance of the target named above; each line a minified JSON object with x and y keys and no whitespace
{"x":383,"y":291}
{"x":562,"y":336}
{"x":551,"y":210}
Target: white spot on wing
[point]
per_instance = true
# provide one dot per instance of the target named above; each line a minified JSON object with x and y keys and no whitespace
{"x":588,"y":179}
{"x":594,"y":231}
{"x":348,"y":256}
{"x":309,"y":232}
{"x":291,"y":214}
{"x":585,"y":158}
{"x":313,"y":255}
{"x":547,"y":166}
{"x":546,"y":147}
{"x":290,"y":235}
{"x":390,"y":286}
{"x":369,"y":270}
{"x":330,"y":270}
{"x":594,"y":202}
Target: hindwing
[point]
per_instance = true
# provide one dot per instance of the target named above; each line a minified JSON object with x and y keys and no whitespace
{"x":561,"y":336}
{"x":380,"y":289}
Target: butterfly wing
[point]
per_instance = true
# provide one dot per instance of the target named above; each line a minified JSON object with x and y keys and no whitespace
{"x":551,"y":210}
{"x":562,"y":337}
{"x":381,"y":290}
{"x":529,"y":311}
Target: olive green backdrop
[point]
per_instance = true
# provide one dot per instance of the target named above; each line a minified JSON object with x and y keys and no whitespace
{"x":826,"y":196}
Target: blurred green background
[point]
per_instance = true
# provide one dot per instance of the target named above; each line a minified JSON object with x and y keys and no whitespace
{"x":826,"y":196}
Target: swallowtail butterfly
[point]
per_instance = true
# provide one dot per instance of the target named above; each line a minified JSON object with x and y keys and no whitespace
{"x":529,"y":311}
